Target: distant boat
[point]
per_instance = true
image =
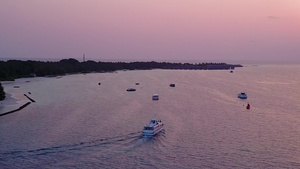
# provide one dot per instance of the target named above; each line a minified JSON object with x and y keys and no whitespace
{"x":130,"y":90}
{"x":172,"y":85}
{"x":248,"y":106}
{"x":231,"y":71}
{"x":154,"y":127}
{"x":155,"y":97}
{"x":16,"y":86}
{"x":137,"y":83}
{"x":242,"y":96}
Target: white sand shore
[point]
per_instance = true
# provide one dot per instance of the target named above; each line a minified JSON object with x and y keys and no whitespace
{"x":9,"y":100}
{"x":14,"y":97}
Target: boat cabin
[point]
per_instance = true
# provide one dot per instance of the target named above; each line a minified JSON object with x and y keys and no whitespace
{"x":155,"y":97}
{"x":148,"y":128}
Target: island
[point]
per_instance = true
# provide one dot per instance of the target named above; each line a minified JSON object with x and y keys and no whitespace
{"x":13,"y":69}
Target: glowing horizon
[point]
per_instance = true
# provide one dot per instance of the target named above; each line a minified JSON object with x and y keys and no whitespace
{"x":169,"y":30}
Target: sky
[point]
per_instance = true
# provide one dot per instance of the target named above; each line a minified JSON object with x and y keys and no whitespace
{"x":138,"y":30}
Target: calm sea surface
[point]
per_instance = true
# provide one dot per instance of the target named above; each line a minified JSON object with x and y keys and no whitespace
{"x":76,"y":123}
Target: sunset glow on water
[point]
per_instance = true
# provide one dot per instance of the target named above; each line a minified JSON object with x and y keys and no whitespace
{"x":77,"y":123}
{"x":89,"y":120}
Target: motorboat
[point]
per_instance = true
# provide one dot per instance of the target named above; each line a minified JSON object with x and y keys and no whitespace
{"x":242,"y":96}
{"x":155,"y":97}
{"x":172,"y":85}
{"x":130,"y":90}
{"x":137,"y":83}
{"x":154,"y":127}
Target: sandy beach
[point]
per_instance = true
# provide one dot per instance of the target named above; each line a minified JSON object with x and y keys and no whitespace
{"x":14,"y":96}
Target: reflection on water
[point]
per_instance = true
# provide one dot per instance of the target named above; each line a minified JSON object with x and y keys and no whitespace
{"x":76,"y":123}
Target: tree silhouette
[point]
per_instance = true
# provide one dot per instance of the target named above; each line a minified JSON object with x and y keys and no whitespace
{"x":2,"y":93}
{"x":13,"y":69}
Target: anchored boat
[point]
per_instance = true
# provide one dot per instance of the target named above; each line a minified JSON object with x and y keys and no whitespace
{"x":155,"y":97}
{"x":130,"y":90}
{"x":242,"y":96}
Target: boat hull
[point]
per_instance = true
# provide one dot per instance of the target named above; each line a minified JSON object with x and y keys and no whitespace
{"x":155,"y":97}
{"x":131,"y":90}
{"x":153,"y":132}
{"x":242,"y":96}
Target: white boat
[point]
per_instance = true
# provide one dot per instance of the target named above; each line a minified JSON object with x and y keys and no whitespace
{"x":242,"y":96}
{"x":154,"y":127}
{"x":155,"y":97}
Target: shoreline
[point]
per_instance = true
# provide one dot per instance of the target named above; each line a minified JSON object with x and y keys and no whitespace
{"x":71,"y":65}
{"x":11,"y":101}
{"x":15,"y":99}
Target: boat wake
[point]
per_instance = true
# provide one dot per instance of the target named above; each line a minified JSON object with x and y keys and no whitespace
{"x":110,"y":146}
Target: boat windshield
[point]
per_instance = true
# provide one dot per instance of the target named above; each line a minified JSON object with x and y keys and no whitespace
{"x":148,"y":128}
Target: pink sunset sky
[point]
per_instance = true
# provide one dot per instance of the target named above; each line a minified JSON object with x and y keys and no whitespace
{"x":137,"y":30}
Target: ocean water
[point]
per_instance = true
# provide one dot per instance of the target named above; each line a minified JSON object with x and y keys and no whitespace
{"x":76,"y":123}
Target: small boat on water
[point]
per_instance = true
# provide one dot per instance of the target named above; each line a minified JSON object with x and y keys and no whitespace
{"x":242,"y":96}
{"x":137,"y":83}
{"x":155,"y":97}
{"x":172,"y":85}
{"x":130,"y":90}
{"x":154,"y":127}
{"x":248,"y":106}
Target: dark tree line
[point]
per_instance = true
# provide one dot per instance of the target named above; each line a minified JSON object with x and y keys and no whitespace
{"x":2,"y":93}
{"x":13,"y":69}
